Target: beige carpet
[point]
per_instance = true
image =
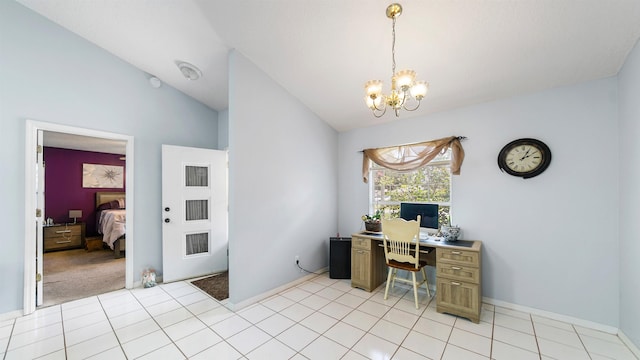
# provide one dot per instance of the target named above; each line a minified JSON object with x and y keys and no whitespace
{"x":75,"y":274}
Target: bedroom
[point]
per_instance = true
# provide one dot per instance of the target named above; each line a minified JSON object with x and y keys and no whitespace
{"x":93,"y":264}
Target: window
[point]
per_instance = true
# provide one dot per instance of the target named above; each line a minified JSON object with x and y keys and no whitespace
{"x":429,"y":184}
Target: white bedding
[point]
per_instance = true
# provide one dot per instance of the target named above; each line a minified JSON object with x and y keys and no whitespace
{"x":112,"y":225}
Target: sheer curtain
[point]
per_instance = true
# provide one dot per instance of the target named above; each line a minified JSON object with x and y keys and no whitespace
{"x":413,"y":156}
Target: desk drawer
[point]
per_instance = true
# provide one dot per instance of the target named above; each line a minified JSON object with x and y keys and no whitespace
{"x":361,"y":243}
{"x":458,"y":272}
{"x":463,"y":257}
{"x":58,"y":242}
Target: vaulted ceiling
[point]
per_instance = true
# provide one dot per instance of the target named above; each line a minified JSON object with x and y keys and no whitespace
{"x":323,"y":51}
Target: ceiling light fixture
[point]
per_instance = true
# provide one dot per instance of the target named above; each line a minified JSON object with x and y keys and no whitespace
{"x":406,"y":92}
{"x":189,"y":71}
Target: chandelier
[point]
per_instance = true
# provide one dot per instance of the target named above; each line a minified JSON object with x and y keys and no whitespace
{"x":406,"y":92}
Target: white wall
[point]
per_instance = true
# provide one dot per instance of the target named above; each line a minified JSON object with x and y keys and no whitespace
{"x":282,"y":183}
{"x":629,"y":92}
{"x":51,"y":75}
{"x":550,"y":242}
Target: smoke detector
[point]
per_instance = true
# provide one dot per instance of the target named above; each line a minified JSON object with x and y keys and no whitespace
{"x":189,"y":71}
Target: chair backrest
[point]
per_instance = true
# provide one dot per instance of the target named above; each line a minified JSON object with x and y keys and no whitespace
{"x":401,"y":240}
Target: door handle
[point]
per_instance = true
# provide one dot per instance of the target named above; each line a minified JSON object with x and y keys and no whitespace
{"x":167,"y":220}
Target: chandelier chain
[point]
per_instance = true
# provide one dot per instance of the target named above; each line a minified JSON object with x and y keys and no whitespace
{"x":393,"y":48}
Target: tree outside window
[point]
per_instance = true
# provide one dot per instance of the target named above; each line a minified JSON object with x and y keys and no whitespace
{"x":429,"y":184}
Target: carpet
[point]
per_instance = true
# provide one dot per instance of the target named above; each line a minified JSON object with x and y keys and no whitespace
{"x":217,"y":285}
{"x":75,"y":274}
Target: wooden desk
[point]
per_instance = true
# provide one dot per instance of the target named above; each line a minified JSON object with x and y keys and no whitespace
{"x":458,"y":271}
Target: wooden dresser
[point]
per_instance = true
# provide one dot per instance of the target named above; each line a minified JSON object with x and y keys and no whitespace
{"x":458,"y":271}
{"x":63,"y":236}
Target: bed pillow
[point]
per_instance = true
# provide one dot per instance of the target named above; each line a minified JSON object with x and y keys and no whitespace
{"x":115,"y":204}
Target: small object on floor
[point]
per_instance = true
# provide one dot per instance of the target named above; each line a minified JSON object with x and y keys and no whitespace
{"x":149,"y":278}
{"x":93,"y":244}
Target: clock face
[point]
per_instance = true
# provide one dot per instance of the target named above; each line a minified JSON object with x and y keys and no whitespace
{"x":525,"y":158}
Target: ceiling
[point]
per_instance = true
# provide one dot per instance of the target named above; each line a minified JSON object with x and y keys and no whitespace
{"x":323,"y":51}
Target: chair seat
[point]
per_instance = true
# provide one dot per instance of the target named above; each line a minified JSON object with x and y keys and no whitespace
{"x":406,"y":266}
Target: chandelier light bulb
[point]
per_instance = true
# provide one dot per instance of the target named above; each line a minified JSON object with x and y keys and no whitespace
{"x":419,"y":90}
{"x":374,"y":103}
{"x":373,"y":88}
{"x":405,"y":79}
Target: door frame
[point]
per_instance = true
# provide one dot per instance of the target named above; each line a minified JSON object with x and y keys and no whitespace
{"x":31,"y":142}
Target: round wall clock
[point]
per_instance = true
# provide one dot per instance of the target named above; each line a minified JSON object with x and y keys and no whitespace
{"x":524,"y":158}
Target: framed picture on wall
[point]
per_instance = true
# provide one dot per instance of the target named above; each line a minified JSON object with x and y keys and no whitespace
{"x":102,"y":176}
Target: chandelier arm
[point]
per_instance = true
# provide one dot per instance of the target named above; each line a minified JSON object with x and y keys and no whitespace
{"x":404,"y":104}
{"x":381,"y":112}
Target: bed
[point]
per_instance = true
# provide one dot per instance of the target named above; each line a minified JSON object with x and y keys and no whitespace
{"x":111,"y":220}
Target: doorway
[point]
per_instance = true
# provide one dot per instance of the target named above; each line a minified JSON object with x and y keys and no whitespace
{"x":33,"y":274}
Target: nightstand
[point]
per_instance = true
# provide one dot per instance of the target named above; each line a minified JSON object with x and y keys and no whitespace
{"x":63,"y":236}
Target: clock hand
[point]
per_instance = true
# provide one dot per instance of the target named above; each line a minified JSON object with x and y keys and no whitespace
{"x":525,"y":155}
{"x":529,"y":155}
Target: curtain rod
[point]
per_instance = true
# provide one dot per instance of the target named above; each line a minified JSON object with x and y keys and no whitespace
{"x":458,"y":137}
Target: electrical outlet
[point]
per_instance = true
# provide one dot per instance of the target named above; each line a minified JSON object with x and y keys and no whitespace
{"x":297,"y":259}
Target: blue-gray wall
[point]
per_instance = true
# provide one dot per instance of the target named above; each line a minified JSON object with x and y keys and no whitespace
{"x":629,"y":92}
{"x":49,"y":74}
{"x":283,"y":163}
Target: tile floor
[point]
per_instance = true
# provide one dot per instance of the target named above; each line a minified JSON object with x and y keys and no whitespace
{"x":321,"y":318}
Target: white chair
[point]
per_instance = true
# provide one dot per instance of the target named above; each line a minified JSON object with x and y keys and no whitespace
{"x":402,"y":252}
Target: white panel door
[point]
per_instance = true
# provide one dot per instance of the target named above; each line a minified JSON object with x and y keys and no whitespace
{"x":194,"y":212}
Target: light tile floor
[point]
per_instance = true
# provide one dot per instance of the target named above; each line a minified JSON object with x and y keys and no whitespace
{"x":321,"y":318}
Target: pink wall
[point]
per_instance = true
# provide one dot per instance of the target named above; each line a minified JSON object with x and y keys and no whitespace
{"x":63,"y":184}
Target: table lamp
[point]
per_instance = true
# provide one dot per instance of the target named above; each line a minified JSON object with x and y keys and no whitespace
{"x":75,"y":214}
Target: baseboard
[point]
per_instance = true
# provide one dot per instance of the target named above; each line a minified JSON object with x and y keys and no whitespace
{"x":634,"y":349}
{"x":554,"y":316}
{"x":238,"y":306}
{"x":11,"y":315}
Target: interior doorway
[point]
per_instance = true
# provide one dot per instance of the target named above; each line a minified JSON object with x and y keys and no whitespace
{"x":33,"y":277}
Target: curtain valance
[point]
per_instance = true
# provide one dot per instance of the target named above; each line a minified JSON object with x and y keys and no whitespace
{"x":413,"y":156}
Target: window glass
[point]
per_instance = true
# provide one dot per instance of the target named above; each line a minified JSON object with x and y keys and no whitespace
{"x":429,"y":184}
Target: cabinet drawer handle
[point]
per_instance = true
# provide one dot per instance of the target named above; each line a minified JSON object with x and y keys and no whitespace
{"x":63,"y":242}
{"x":360,"y":252}
{"x":456,"y":252}
{"x":456,"y":268}
{"x":63,"y":231}
{"x":455,"y":283}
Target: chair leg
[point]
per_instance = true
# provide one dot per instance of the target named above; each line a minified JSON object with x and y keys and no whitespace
{"x":415,"y":288}
{"x":393,"y":281}
{"x":426,"y":283}
{"x":386,"y":290}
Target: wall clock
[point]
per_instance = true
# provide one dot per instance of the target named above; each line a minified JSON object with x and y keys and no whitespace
{"x":524,"y":158}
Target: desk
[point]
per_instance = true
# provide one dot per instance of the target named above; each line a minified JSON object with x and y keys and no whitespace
{"x":458,"y":271}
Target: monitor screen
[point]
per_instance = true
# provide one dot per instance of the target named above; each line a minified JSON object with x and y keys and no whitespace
{"x":428,"y":214}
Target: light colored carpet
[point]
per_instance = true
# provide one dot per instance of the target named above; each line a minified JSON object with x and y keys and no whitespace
{"x":75,"y":274}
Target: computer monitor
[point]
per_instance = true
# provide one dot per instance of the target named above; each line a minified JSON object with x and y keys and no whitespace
{"x":428,"y":214}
